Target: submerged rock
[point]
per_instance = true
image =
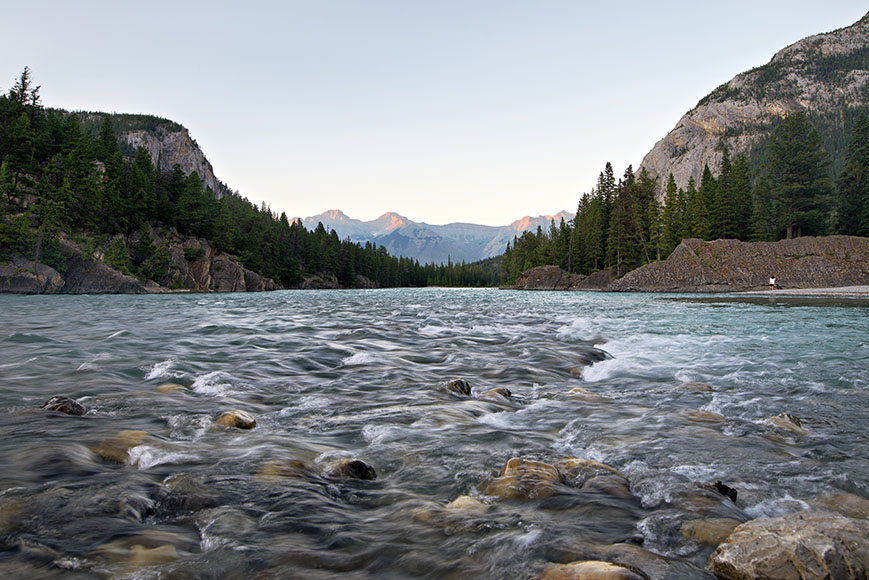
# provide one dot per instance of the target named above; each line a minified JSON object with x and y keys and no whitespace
{"x":846,"y":504}
{"x":590,"y":570}
{"x":496,"y":394}
{"x":350,"y":469}
{"x":710,"y":531}
{"x":236,"y":418}
{"x":169,"y":388}
{"x":525,"y":479}
{"x":700,"y":416}
{"x":150,"y":548}
{"x":65,"y":405}
{"x":581,"y":394}
{"x":798,"y":546}
{"x":786,"y":422}
{"x":281,"y":468}
{"x":117,"y":447}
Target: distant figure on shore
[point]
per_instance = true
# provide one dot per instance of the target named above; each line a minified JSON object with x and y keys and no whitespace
{"x":772,"y":284}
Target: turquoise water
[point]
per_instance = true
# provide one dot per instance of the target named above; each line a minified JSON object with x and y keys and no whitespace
{"x":677,"y":392}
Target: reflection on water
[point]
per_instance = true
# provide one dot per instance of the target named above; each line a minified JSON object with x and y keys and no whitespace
{"x":673,"y":395}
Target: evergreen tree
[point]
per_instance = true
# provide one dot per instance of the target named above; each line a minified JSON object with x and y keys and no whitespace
{"x":672,"y":217}
{"x":853,"y":183}
{"x":799,"y":181}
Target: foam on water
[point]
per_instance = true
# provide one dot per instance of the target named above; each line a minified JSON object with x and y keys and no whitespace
{"x":361,"y":358}
{"x":145,"y":457}
{"x":159,"y":370}
{"x":215,"y":383}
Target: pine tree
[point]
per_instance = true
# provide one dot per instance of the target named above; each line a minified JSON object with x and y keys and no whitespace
{"x":799,"y":181}
{"x":672,"y":217}
{"x":853,"y":183}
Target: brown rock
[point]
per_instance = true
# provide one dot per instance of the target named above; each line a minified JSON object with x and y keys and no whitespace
{"x":709,"y":531}
{"x":525,"y":479}
{"x":169,"y":388}
{"x":458,"y":387}
{"x":350,"y":469}
{"x":786,"y":422}
{"x":283,"y":468}
{"x":696,"y":387}
{"x":699,"y":416}
{"x":116,"y":448}
{"x":238,"y":419}
{"x":497,"y":394}
{"x":846,"y":504}
{"x":590,"y":570}
{"x":798,"y":546}
{"x":548,"y":278}
{"x":26,"y":277}
{"x":577,"y":471}
{"x":581,"y":394}
{"x":65,"y":405}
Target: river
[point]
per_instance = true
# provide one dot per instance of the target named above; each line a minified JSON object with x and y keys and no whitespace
{"x":676,"y":392}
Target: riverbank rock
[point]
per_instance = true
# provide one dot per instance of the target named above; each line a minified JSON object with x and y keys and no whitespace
{"x":65,"y":405}
{"x":23,"y":276}
{"x":798,"y":546}
{"x":548,"y":278}
{"x":91,"y":276}
{"x":732,"y":265}
{"x":590,"y":570}
{"x":237,"y":419}
{"x":350,"y":469}
{"x":525,"y":479}
{"x":710,"y":531}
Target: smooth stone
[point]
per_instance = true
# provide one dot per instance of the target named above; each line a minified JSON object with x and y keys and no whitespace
{"x":116,"y":448}
{"x":846,"y":504}
{"x":711,"y":531}
{"x":577,"y":470}
{"x":237,"y":419}
{"x":466,"y":502}
{"x":64,"y":405}
{"x":169,"y":388}
{"x":458,"y":387}
{"x":581,"y":394}
{"x":188,"y":493}
{"x":152,"y":548}
{"x":496,"y":394}
{"x":590,"y":570}
{"x":283,"y":468}
{"x":700,"y":416}
{"x":350,"y":469}
{"x":696,"y":387}
{"x":525,"y":479}
{"x":629,"y":555}
{"x":798,"y":546}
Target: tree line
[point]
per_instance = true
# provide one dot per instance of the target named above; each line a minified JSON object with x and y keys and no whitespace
{"x":57,"y":176}
{"x":621,"y":224}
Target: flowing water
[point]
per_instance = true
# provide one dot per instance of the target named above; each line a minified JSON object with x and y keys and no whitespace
{"x":674,"y":392}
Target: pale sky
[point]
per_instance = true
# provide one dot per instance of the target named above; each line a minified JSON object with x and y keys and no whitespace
{"x":479,"y":111}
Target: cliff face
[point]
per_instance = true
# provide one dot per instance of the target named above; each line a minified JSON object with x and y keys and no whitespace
{"x":822,"y":75}
{"x":168,"y":145}
{"x":731,"y":265}
{"x":191,"y":265}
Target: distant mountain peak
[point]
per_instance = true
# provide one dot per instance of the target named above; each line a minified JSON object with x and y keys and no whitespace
{"x":335,"y":214}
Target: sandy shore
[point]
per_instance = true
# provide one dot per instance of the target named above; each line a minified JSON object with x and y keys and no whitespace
{"x":843,"y":292}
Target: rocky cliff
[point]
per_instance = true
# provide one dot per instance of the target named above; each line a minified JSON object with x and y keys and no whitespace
{"x":825,"y":75}
{"x":731,"y":265}
{"x":189,"y":265}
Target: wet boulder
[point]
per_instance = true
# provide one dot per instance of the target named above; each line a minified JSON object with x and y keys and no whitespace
{"x":169,"y":388}
{"x":786,"y":422}
{"x":117,"y":447}
{"x":797,"y":546}
{"x":590,"y":570}
{"x":578,"y":471}
{"x":846,"y":504}
{"x":581,"y":394}
{"x":61,"y":404}
{"x":498,"y":394}
{"x":525,"y":479}
{"x":350,"y":469}
{"x":710,"y":531}
{"x":459,"y":387}
{"x":276,"y":469}
{"x":149,"y":548}
{"x":237,"y":419}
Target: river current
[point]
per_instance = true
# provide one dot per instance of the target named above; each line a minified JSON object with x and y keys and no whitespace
{"x":675,"y":392}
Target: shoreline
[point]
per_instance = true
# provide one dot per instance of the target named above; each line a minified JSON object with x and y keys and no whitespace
{"x":834,"y":292}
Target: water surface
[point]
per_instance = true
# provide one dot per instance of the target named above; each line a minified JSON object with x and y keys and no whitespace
{"x":360,"y":374}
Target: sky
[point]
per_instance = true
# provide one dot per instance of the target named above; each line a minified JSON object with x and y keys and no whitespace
{"x":478,"y":111}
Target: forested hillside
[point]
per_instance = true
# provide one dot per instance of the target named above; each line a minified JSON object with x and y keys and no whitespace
{"x":621,"y":225}
{"x":60,"y":177}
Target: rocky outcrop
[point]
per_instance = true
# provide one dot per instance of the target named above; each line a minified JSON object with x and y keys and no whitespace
{"x":548,"y":278}
{"x":797,"y":546}
{"x":731,"y":265}
{"x":85,"y":276}
{"x":170,"y":144}
{"x":817,"y":74}
{"x":26,"y":277}
{"x":61,"y":404}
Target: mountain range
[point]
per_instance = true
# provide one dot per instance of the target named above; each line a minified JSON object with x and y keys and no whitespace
{"x":458,"y":242}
